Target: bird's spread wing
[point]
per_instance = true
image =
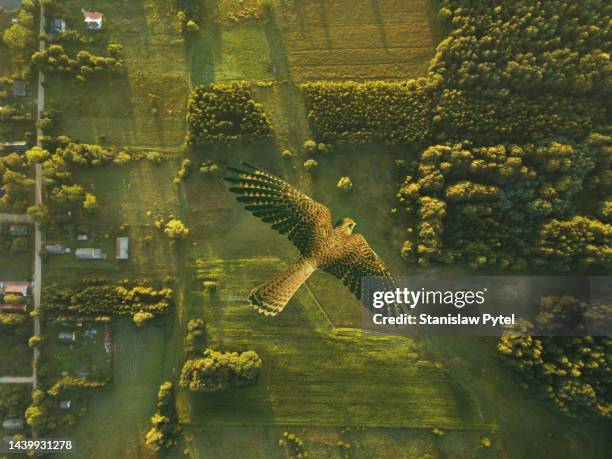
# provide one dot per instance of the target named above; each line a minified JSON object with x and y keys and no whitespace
{"x":306,"y":222}
{"x":358,"y":260}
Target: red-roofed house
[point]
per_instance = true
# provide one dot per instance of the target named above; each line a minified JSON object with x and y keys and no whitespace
{"x":93,"y":20}
{"x":14,"y":288}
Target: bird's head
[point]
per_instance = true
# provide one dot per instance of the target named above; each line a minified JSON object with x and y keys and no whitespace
{"x":346,"y":224}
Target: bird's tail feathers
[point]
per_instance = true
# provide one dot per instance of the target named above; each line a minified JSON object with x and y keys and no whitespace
{"x":272,"y":297}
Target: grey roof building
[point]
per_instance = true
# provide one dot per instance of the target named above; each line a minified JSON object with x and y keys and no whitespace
{"x":122,"y":248}
{"x":90,"y":254}
{"x":13,"y":424}
{"x":19,"y":88}
{"x":57,"y":25}
{"x":67,"y":337}
{"x":13,"y":147}
{"x":18,"y":230}
{"x":56,"y":249}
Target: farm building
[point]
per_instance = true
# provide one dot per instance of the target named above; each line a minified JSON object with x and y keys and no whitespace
{"x":15,"y":288}
{"x":13,"y":424}
{"x":19,"y":88}
{"x":57,"y":25}
{"x":93,"y":20}
{"x":122,"y":248}
{"x":14,"y":308}
{"x":13,"y":147}
{"x":18,"y":230}
{"x":90,"y":254}
{"x":67,"y":337}
{"x":56,"y":249}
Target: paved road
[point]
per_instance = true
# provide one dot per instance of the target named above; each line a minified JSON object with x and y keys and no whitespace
{"x":15,"y":218}
{"x":16,"y":379}
{"x":37,"y":287}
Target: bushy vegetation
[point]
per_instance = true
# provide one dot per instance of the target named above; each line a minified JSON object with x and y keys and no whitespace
{"x":99,"y":298}
{"x":62,"y":157}
{"x":397,"y":112}
{"x":84,"y":66}
{"x":21,"y":35}
{"x":495,"y":206}
{"x":164,"y":425}
{"x":16,"y":184}
{"x":13,"y":399}
{"x":579,"y":244}
{"x":216,"y":370}
{"x":225,"y":113}
{"x":574,"y":372}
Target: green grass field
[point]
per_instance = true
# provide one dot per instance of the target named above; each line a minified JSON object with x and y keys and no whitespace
{"x":314,"y":374}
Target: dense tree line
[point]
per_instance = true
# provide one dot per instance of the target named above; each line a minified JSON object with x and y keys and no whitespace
{"x":216,"y":370}
{"x":351,"y":112}
{"x":225,"y":113}
{"x":504,"y":205}
{"x":164,"y":423}
{"x":104,"y":299}
{"x":54,"y":60}
{"x":21,"y":35}
{"x":574,"y":372}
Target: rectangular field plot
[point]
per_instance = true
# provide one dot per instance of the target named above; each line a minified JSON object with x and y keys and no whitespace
{"x":144,"y":105}
{"x":312,"y":373}
{"x":227,"y":54}
{"x":356,"y":39}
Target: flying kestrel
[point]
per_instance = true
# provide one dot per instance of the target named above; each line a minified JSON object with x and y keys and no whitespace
{"x":308,"y":224}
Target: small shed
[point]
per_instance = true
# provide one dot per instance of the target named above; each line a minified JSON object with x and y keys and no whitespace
{"x":9,"y":308}
{"x":18,"y":230}
{"x":19,"y":88}
{"x":93,"y":19}
{"x":90,"y":254}
{"x":122,"y":248}
{"x":56,"y":249}
{"x":13,"y":147}
{"x":57,"y":25}
{"x":65,"y":404}
{"x":15,"y":288}
{"x":13,"y":424}
{"x":67,"y":337}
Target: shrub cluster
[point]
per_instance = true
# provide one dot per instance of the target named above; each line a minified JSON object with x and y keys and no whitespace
{"x":55,"y":60}
{"x":100,"y":299}
{"x":216,"y":370}
{"x":15,"y":184}
{"x":164,"y":423}
{"x":225,"y":113}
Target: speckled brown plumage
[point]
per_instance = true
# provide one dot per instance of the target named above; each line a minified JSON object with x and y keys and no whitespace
{"x":308,"y":224}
